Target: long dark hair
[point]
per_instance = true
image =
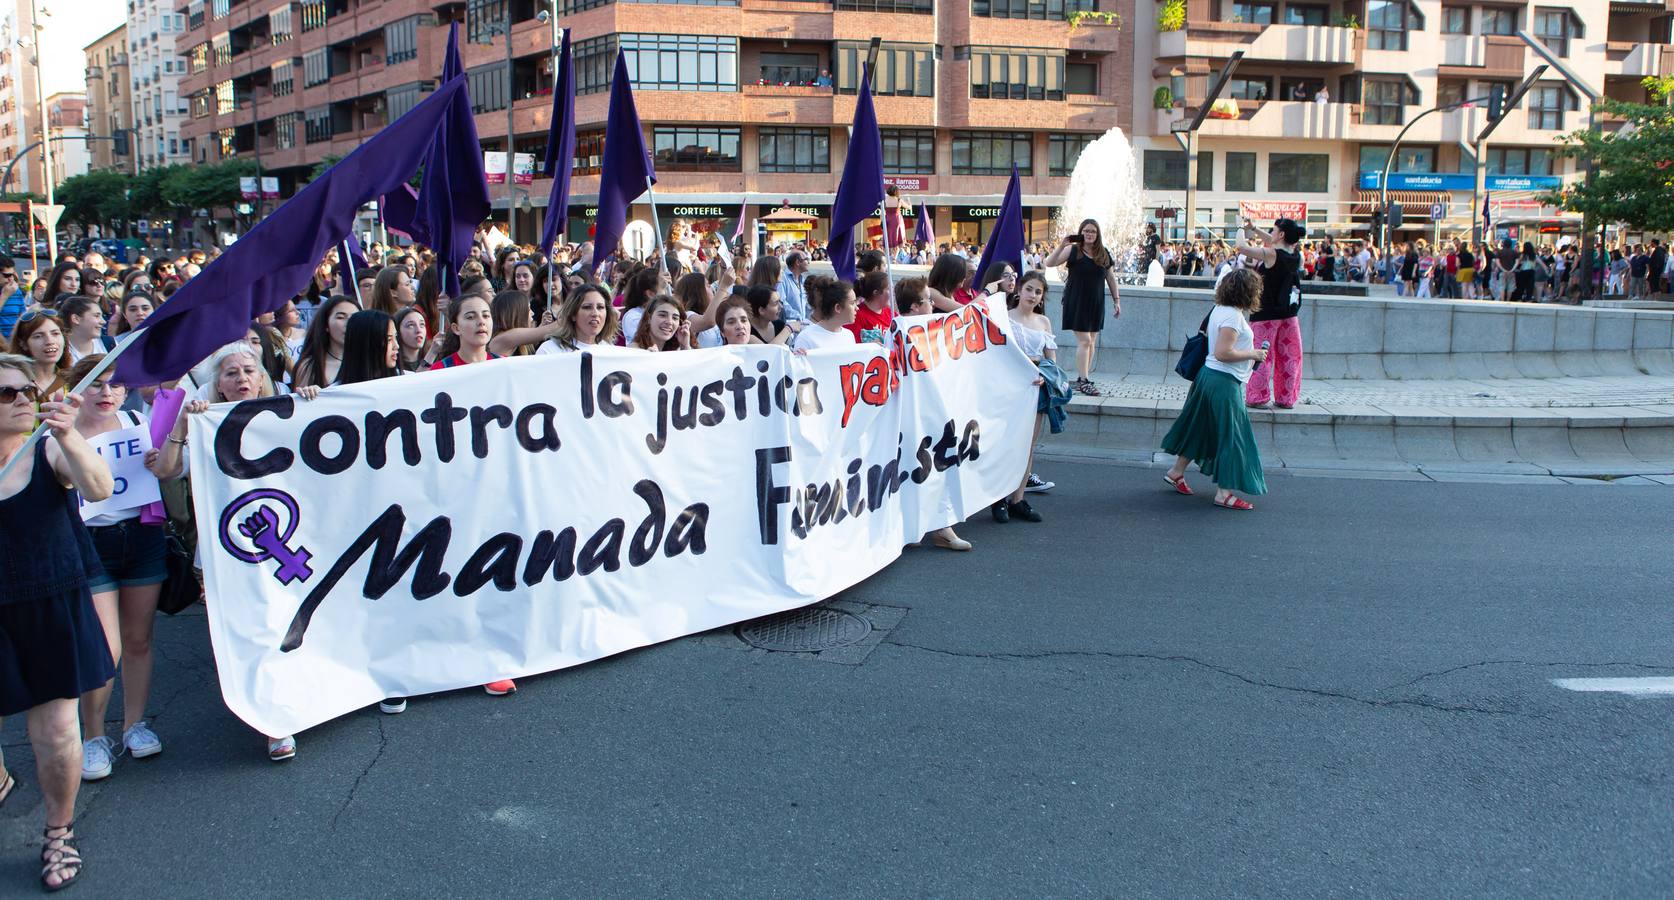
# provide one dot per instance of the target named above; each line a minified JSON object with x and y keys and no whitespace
{"x":1098,"y":252}
{"x":427,"y":298}
{"x":311,"y":360}
{"x":56,"y":275}
{"x":365,"y":347}
{"x":510,"y":309}
{"x":571,"y":306}
{"x":1015,"y":298}
{"x":948,"y":273}
{"x":692,"y":290}
{"x":642,"y":335}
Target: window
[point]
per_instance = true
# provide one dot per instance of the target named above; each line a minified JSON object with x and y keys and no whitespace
{"x":316,"y":67}
{"x":1456,"y":20}
{"x":1547,"y":103}
{"x":398,"y":100}
{"x":220,"y":50}
{"x":280,"y":78}
{"x":897,"y":6}
{"x":1062,"y":150}
{"x":693,"y":149}
{"x":200,"y":104}
{"x":1407,"y":159}
{"x":1050,"y":10}
{"x":904,"y":70}
{"x":226,"y":143}
{"x":279,"y":25}
{"x":1307,"y":14}
{"x":401,"y":40}
{"x":790,"y":68}
{"x":197,"y":58}
{"x":174,"y":145}
{"x":1298,"y":172}
{"x":795,"y":149}
{"x":999,"y":74}
{"x":1081,"y":78}
{"x":1253,"y":13}
{"x":1520,"y":161}
{"x":218,"y":9}
{"x":1240,"y":171}
{"x":1449,"y":93}
{"x":1165,"y":170}
{"x":659,"y":62}
{"x":1383,"y":101}
{"x":589,"y":152}
{"x":226,"y":100}
{"x":317,"y":125}
{"x":909,"y":151}
{"x":1555,"y":27}
{"x":314,"y":14}
{"x":488,"y":87}
{"x":1499,"y":21}
{"x":992,"y":153}
{"x":1253,"y":88}
{"x":1387,"y":23}
{"x":284,"y":130}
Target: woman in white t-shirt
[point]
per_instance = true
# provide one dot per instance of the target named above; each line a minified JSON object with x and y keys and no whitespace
{"x":586,"y":321}
{"x":1213,"y":428}
{"x":833,"y":305}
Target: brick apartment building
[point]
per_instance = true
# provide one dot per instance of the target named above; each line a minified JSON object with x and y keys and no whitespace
{"x":110,"y":109}
{"x":734,"y":95}
{"x":1382,"y":64}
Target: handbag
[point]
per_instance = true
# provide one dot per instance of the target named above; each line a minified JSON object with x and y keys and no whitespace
{"x":1194,"y":353}
{"x":180,"y":588}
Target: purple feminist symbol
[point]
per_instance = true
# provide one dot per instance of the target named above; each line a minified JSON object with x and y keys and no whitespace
{"x":262,"y":529}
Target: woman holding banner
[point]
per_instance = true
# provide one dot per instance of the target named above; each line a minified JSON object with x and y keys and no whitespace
{"x":663,"y":326}
{"x":322,"y":349}
{"x":49,"y":633}
{"x":132,"y":554}
{"x":1033,"y":331}
{"x":833,"y":305}
{"x":414,"y":339}
{"x":586,"y":321}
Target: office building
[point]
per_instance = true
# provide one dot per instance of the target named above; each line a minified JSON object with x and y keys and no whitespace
{"x":20,"y":100}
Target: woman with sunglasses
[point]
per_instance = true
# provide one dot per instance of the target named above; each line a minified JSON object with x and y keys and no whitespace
{"x":132,"y":555}
{"x":48,"y":628}
{"x":40,"y":337}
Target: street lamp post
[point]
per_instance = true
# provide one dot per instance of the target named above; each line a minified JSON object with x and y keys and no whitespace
{"x":504,"y":29}
{"x":1383,"y":177}
{"x":46,"y":144}
{"x":1593,"y":97}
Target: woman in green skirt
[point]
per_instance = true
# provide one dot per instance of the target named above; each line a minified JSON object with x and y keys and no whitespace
{"x":1213,"y":429}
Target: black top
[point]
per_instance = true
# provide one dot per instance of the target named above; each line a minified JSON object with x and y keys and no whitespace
{"x":1277,"y":283}
{"x":1326,"y":266}
{"x":42,"y":527}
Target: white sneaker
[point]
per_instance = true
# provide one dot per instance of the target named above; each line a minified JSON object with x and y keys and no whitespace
{"x":96,"y":758}
{"x":141,"y":741}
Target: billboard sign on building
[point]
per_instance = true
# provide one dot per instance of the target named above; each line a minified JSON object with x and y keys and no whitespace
{"x":1270,"y":210}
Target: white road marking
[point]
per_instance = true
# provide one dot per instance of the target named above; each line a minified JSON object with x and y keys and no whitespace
{"x":1650,"y":686}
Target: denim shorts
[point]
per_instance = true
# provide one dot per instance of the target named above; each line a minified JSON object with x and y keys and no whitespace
{"x":133,"y":555}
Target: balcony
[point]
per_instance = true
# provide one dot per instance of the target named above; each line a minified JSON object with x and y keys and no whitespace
{"x":1481,"y":56}
{"x":787,"y":103}
{"x":1638,"y":60}
{"x":1307,"y":120}
{"x":1316,"y":44}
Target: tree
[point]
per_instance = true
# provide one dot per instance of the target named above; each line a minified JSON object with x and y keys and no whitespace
{"x":206,"y":187}
{"x":96,"y":198}
{"x":1634,"y":183}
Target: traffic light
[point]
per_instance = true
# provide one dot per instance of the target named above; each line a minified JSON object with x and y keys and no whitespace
{"x":1394,"y":216}
{"x":1496,"y":102}
{"x":121,"y":139}
{"x":1377,"y":218}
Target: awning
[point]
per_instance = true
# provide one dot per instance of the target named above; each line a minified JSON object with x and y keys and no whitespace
{"x":1414,"y":204}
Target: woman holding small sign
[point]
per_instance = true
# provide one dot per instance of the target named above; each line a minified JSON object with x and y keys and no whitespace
{"x":132,"y":554}
{"x":49,"y":633}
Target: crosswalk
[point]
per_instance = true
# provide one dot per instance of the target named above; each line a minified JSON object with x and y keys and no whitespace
{"x":1645,"y":687}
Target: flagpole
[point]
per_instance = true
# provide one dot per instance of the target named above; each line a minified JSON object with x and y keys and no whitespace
{"x":349,"y":262}
{"x":100,"y":369}
{"x":656,"y":228}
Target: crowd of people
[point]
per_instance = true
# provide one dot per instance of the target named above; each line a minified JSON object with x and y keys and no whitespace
{"x":78,"y":609}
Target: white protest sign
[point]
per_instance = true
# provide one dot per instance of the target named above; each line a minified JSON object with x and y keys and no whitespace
{"x":124,"y":451}
{"x":428,"y":533}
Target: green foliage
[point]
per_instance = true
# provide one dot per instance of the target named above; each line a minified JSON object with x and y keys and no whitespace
{"x":329,"y":160}
{"x":205,"y":187}
{"x":1635,"y":169}
{"x":1348,"y":21}
{"x":1171,"y":16}
{"x":1162,"y":98}
{"x":145,"y":193}
{"x":96,"y":198}
{"x":1659,"y":88}
{"x":1090,"y":17}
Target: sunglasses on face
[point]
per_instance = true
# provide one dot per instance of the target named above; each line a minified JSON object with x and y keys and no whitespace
{"x":34,"y":314}
{"x":8,"y":395}
{"x":8,"y":276}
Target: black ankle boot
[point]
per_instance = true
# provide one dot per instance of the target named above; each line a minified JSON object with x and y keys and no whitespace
{"x":1022,"y":510}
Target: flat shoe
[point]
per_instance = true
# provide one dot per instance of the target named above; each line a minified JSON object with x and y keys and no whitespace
{"x":959,"y":544}
{"x":1232,"y":502}
{"x":1178,"y":484}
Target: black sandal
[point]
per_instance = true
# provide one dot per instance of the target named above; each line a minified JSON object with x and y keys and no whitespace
{"x":58,"y":854}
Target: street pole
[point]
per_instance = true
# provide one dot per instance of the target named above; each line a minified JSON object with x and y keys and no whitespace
{"x":1383,"y":177}
{"x":46,"y":144}
{"x":256,"y":141}
{"x":1593,"y":125}
{"x":511,"y":140}
{"x":1188,"y":142}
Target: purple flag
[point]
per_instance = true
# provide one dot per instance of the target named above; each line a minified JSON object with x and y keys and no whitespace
{"x":925,"y":232}
{"x":453,"y":198}
{"x":1005,"y":242}
{"x":357,"y":254}
{"x":560,"y":147}
{"x":275,"y":260}
{"x":627,"y":170}
{"x":861,"y":190}
{"x":398,"y":208}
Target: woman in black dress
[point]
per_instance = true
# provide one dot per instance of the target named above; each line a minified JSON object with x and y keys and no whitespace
{"x":52,"y":649}
{"x":1090,"y":271}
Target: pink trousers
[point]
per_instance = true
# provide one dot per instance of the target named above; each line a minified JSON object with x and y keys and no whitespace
{"x":1279,"y":378}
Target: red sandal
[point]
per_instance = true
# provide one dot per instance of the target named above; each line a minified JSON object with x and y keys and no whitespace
{"x":1178,"y":484}
{"x":1234,"y":502}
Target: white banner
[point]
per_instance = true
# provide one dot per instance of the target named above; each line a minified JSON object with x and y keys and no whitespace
{"x":494,"y":166}
{"x":124,"y":451}
{"x":441,"y":531}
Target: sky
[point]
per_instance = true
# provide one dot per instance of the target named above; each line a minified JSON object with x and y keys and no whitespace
{"x":72,"y":25}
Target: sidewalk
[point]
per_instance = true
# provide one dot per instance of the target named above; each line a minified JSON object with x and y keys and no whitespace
{"x":1533,"y":393}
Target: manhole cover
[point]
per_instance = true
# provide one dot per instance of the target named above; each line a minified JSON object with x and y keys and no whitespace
{"x":806,"y":630}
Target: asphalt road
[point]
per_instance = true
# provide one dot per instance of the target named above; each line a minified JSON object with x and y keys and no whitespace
{"x":1346,"y":692}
